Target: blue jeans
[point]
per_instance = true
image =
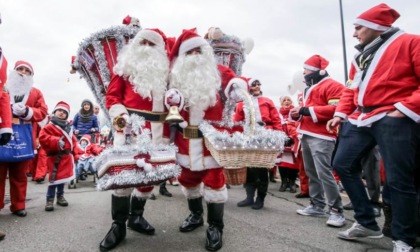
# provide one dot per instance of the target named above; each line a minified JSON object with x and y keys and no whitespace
{"x":51,"y":191}
{"x":394,"y":136}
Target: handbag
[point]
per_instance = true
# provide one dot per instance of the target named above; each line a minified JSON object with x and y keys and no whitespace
{"x":20,"y":147}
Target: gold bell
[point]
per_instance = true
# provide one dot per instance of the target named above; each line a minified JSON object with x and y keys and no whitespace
{"x":119,"y":123}
{"x":173,"y":115}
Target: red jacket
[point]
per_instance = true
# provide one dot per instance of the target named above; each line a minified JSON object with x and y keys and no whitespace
{"x":391,"y":82}
{"x":321,"y":99}
{"x":5,"y":114}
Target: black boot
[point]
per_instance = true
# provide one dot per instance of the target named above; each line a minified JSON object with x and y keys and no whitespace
{"x":250,"y":193}
{"x":116,"y":234}
{"x":215,"y":230}
{"x":136,"y":221}
{"x":271,"y":176}
{"x":195,"y":219}
{"x":163,"y":191}
{"x":261,"y":193}
{"x":292,"y":180}
{"x":284,"y":182}
{"x":386,"y":230}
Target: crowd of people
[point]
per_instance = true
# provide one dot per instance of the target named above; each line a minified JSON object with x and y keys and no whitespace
{"x":336,"y":134}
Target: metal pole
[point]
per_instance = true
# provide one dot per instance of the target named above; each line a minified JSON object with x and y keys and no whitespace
{"x":344,"y":43}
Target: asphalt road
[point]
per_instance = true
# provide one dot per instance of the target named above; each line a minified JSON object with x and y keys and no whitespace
{"x":83,"y":224}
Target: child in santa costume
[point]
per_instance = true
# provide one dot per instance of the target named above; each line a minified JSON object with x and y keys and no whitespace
{"x":60,"y":144}
{"x":87,"y":156}
{"x":29,"y":106}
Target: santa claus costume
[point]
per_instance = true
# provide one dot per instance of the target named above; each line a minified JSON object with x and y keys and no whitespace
{"x":320,"y":98}
{"x":265,"y":115}
{"x":197,"y":81}
{"x":137,"y":87}
{"x":28,"y":105}
{"x":288,"y":162}
{"x":58,"y":141}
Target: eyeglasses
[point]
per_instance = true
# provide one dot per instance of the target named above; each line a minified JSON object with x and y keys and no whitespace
{"x":255,"y":84}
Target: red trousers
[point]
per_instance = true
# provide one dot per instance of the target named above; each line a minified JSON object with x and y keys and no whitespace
{"x":304,"y":180}
{"x":18,"y":182}
{"x":213,"y":178}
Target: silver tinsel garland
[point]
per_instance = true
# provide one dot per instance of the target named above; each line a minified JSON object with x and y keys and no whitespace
{"x":124,"y":155}
{"x":99,"y":84}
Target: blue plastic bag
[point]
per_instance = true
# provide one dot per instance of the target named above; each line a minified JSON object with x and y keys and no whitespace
{"x":20,"y":147}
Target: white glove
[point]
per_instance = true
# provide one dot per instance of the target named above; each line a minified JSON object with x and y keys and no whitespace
{"x":19,"y":108}
{"x":173,"y":98}
{"x":61,"y":143}
{"x":126,"y":118}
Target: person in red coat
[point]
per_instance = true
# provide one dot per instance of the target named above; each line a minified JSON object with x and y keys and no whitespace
{"x":195,"y":81}
{"x":27,"y":104}
{"x":382,"y":106}
{"x":289,"y":162}
{"x":137,"y":86}
{"x":60,"y":144}
{"x":320,"y":98}
{"x":266,"y":115}
{"x":86,"y":156}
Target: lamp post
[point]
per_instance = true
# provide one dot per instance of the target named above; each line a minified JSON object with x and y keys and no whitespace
{"x":344,"y":42}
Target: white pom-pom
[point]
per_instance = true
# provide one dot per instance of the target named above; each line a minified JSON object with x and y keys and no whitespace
{"x":183,"y":124}
{"x":140,"y":162}
{"x":322,"y":72}
{"x":215,"y":33}
{"x":148,"y":167}
{"x":248,"y":45}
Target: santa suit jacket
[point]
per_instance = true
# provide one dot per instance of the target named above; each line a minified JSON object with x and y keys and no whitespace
{"x":290,"y":156}
{"x":321,"y":99}
{"x":91,"y":150}
{"x":37,"y":110}
{"x":392,"y":81}
{"x":121,"y":99}
{"x":5,"y":114}
{"x":49,"y":138}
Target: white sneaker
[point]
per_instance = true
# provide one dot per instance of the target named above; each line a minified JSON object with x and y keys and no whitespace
{"x":400,"y":246}
{"x":336,"y":219}
{"x":358,"y":231}
{"x":311,"y":210}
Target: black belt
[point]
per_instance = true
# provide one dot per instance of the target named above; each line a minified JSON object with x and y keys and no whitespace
{"x":367,"y":109}
{"x":55,"y":153}
{"x":264,"y":124}
{"x":190,"y":132}
{"x":149,"y":116}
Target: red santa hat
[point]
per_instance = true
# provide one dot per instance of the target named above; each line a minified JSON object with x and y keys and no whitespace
{"x":186,"y":41}
{"x":86,"y":137}
{"x":128,"y":20}
{"x":238,"y":82}
{"x":379,"y":18}
{"x":300,"y":96}
{"x":21,"y":63}
{"x":153,"y":35}
{"x":316,"y":63}
{"x":62,"y":105}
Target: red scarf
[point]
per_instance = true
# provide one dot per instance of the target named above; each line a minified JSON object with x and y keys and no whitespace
{"x":285,"y":112}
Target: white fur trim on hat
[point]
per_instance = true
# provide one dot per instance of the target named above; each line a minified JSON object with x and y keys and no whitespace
{"x":370,"y":25}
{"x":62,"y":108}
{"x":309,"y":67}
{"x":152,"y":36}
{"x":27,"y":66}
{"x":191,"y":44}
{"x":238,"y":83}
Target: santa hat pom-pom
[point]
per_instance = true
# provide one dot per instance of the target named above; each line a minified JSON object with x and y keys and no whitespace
{"x":148,"y":168}
{"x":140,"y":162}
{"x":322,"y":72}
{"x":183,"y":124}
{"x":215,"y":33}
{"x":248,"y":45}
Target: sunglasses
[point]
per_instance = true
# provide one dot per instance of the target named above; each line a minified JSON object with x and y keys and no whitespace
{"x":255,"y":84}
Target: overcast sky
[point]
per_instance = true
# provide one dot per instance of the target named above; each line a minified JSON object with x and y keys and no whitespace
{"x":47,"y":33}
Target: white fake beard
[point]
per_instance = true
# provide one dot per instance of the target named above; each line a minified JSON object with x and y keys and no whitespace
{"x":197,"y":77}
{"x":19,"y":85}
{"x":147,"y":69}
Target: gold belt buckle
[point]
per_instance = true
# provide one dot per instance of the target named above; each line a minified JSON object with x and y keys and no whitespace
{"x":190,"y":132}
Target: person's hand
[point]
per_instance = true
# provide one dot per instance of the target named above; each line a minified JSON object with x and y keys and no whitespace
{"x":61,"y":143}
{"x":19,"y":109}
{"x":126,"y":118}
{"x":294,"y":112}
{"x":289,"y":142}
{"x":395,"y":113}
{"x":5,"y":138}
{"x":173,"y":98}
{"x":76,"y":132}
{"x":333,"y":123}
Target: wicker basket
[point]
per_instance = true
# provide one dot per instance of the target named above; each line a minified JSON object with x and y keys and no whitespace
{"x":235,"y":176}
{"x":234,"y":158}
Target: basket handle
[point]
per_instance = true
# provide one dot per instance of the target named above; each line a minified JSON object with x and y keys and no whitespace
{"x":251,"y":115}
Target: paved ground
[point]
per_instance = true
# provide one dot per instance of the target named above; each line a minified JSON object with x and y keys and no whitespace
{"x":83,"y":224}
